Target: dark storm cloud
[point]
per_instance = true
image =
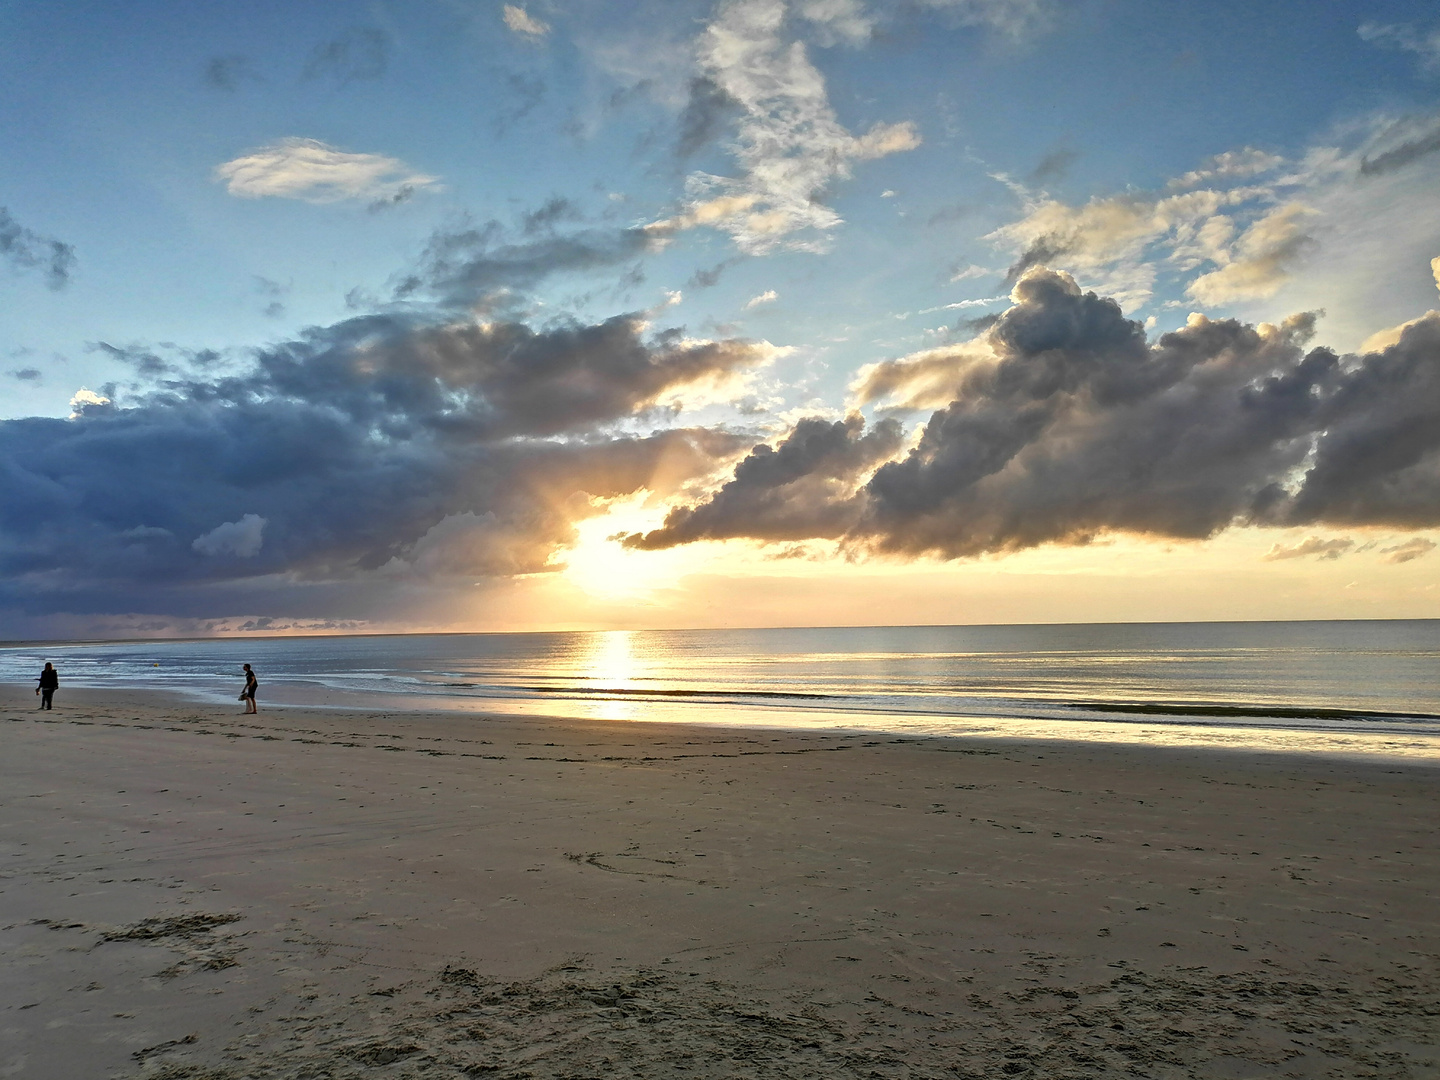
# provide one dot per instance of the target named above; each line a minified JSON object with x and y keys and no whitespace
{"x":708,"y":112}
{"x":26,"y":250}
{"x":1075,"y":425}
{"x":229,"y":72}
{"x":802,"y":488}
{"x":381,"y":445}
{"x":360,"y":54}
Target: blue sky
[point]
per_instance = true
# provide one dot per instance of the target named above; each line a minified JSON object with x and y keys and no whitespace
{"x":840,"y":188}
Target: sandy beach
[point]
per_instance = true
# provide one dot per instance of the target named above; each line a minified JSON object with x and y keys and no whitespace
{"x":188,"y":892}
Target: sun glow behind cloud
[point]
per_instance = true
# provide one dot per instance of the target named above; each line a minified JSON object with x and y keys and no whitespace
{"x":603,"y":570}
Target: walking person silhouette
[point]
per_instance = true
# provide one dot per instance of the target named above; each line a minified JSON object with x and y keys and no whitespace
{"x":248,"y":694}
{"x":49,"y":683}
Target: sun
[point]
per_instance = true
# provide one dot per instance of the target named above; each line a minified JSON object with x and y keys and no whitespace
{"x":600,"y":567}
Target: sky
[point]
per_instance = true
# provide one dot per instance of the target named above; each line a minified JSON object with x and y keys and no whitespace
{"x":459,"y":315}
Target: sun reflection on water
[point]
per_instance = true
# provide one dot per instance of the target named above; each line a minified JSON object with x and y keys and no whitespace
{"x":611,"y":664}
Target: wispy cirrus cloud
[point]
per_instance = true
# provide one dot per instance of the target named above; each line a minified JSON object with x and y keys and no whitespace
{"x":315,"y":172}
{"x":788,"y":141}
{"x":1409,"y":551}
{"x":1250,"y":225}
{"x":1408,"y":38}
{"x":1317,"y":546}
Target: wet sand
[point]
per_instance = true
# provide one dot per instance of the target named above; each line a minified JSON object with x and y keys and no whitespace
{"x":188,"y":892}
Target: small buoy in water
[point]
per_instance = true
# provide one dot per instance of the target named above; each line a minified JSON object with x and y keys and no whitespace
{"x":154,"y":665}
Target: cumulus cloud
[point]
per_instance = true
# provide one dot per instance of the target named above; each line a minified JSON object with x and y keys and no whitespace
{"x":769,"y":296}
{"x":521,"y":22}
{"x":805,"y":487}
{"x":1064,"y":423}
{"x":1313,"y":545}
{"x":791,"y":147}
{"x":85,"y":398}
{"x":242,"y":538}
{"x":384,"y":448}
{"x":315,"y":172}
{"x":26,"y":250}
{"x":359,"y":54}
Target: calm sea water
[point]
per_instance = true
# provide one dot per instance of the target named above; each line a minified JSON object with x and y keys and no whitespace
{"x":1340,"y":680}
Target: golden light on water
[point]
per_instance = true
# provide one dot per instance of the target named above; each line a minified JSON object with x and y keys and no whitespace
{"x":611,"y":664}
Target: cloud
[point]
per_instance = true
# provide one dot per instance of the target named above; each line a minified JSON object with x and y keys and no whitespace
{"x":1328,"y":229}
{"x":791,"y":147}
{"x":520,"y":22}
{"x":1388,"y":158}
{"x":386,"y":448}
{"x":803,"y":488}
{"x":28,"y":374}
{"x":1405,"y":36}
{"x":311,"y":171}
{"x":1260,"y":261}
{"x":838,"y":21}
{"x":1408,"y":551}
{"x":1064,"y":423}
{"x":1231,"y":165}
{"x":274,"y":293}
{"x":1016,"y":19}
{"x":84,"y":399}
{"x":229,"y":72}
{"x":708,"y":109}
{"x":1314,"y":545}
{"x":769,"y":296}
{"x":526,"y":93}
{"x":359,"y":54}
{"x":26,"y":250}
{"x":469,"y":263}
{"x":1053,"y":166}
{"x":242,"y":538}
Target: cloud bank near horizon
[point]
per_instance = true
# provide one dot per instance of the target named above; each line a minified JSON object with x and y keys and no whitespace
{"x":1065,"y":423}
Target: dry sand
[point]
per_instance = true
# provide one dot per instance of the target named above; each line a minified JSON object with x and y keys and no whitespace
{"x":188,"y":892}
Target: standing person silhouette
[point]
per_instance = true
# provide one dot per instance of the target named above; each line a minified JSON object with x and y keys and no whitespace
{"x":49,"y":683}
{"x":248,"y":694}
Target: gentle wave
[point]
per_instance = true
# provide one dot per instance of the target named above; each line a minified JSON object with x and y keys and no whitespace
{"x":1220,"y":709}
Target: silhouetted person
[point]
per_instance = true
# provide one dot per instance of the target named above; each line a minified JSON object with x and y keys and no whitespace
{"x":49,"y":683}
{"x":248,"y":694}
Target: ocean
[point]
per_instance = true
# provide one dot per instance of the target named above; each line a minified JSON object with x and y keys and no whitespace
{"x":1361,"y":686}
